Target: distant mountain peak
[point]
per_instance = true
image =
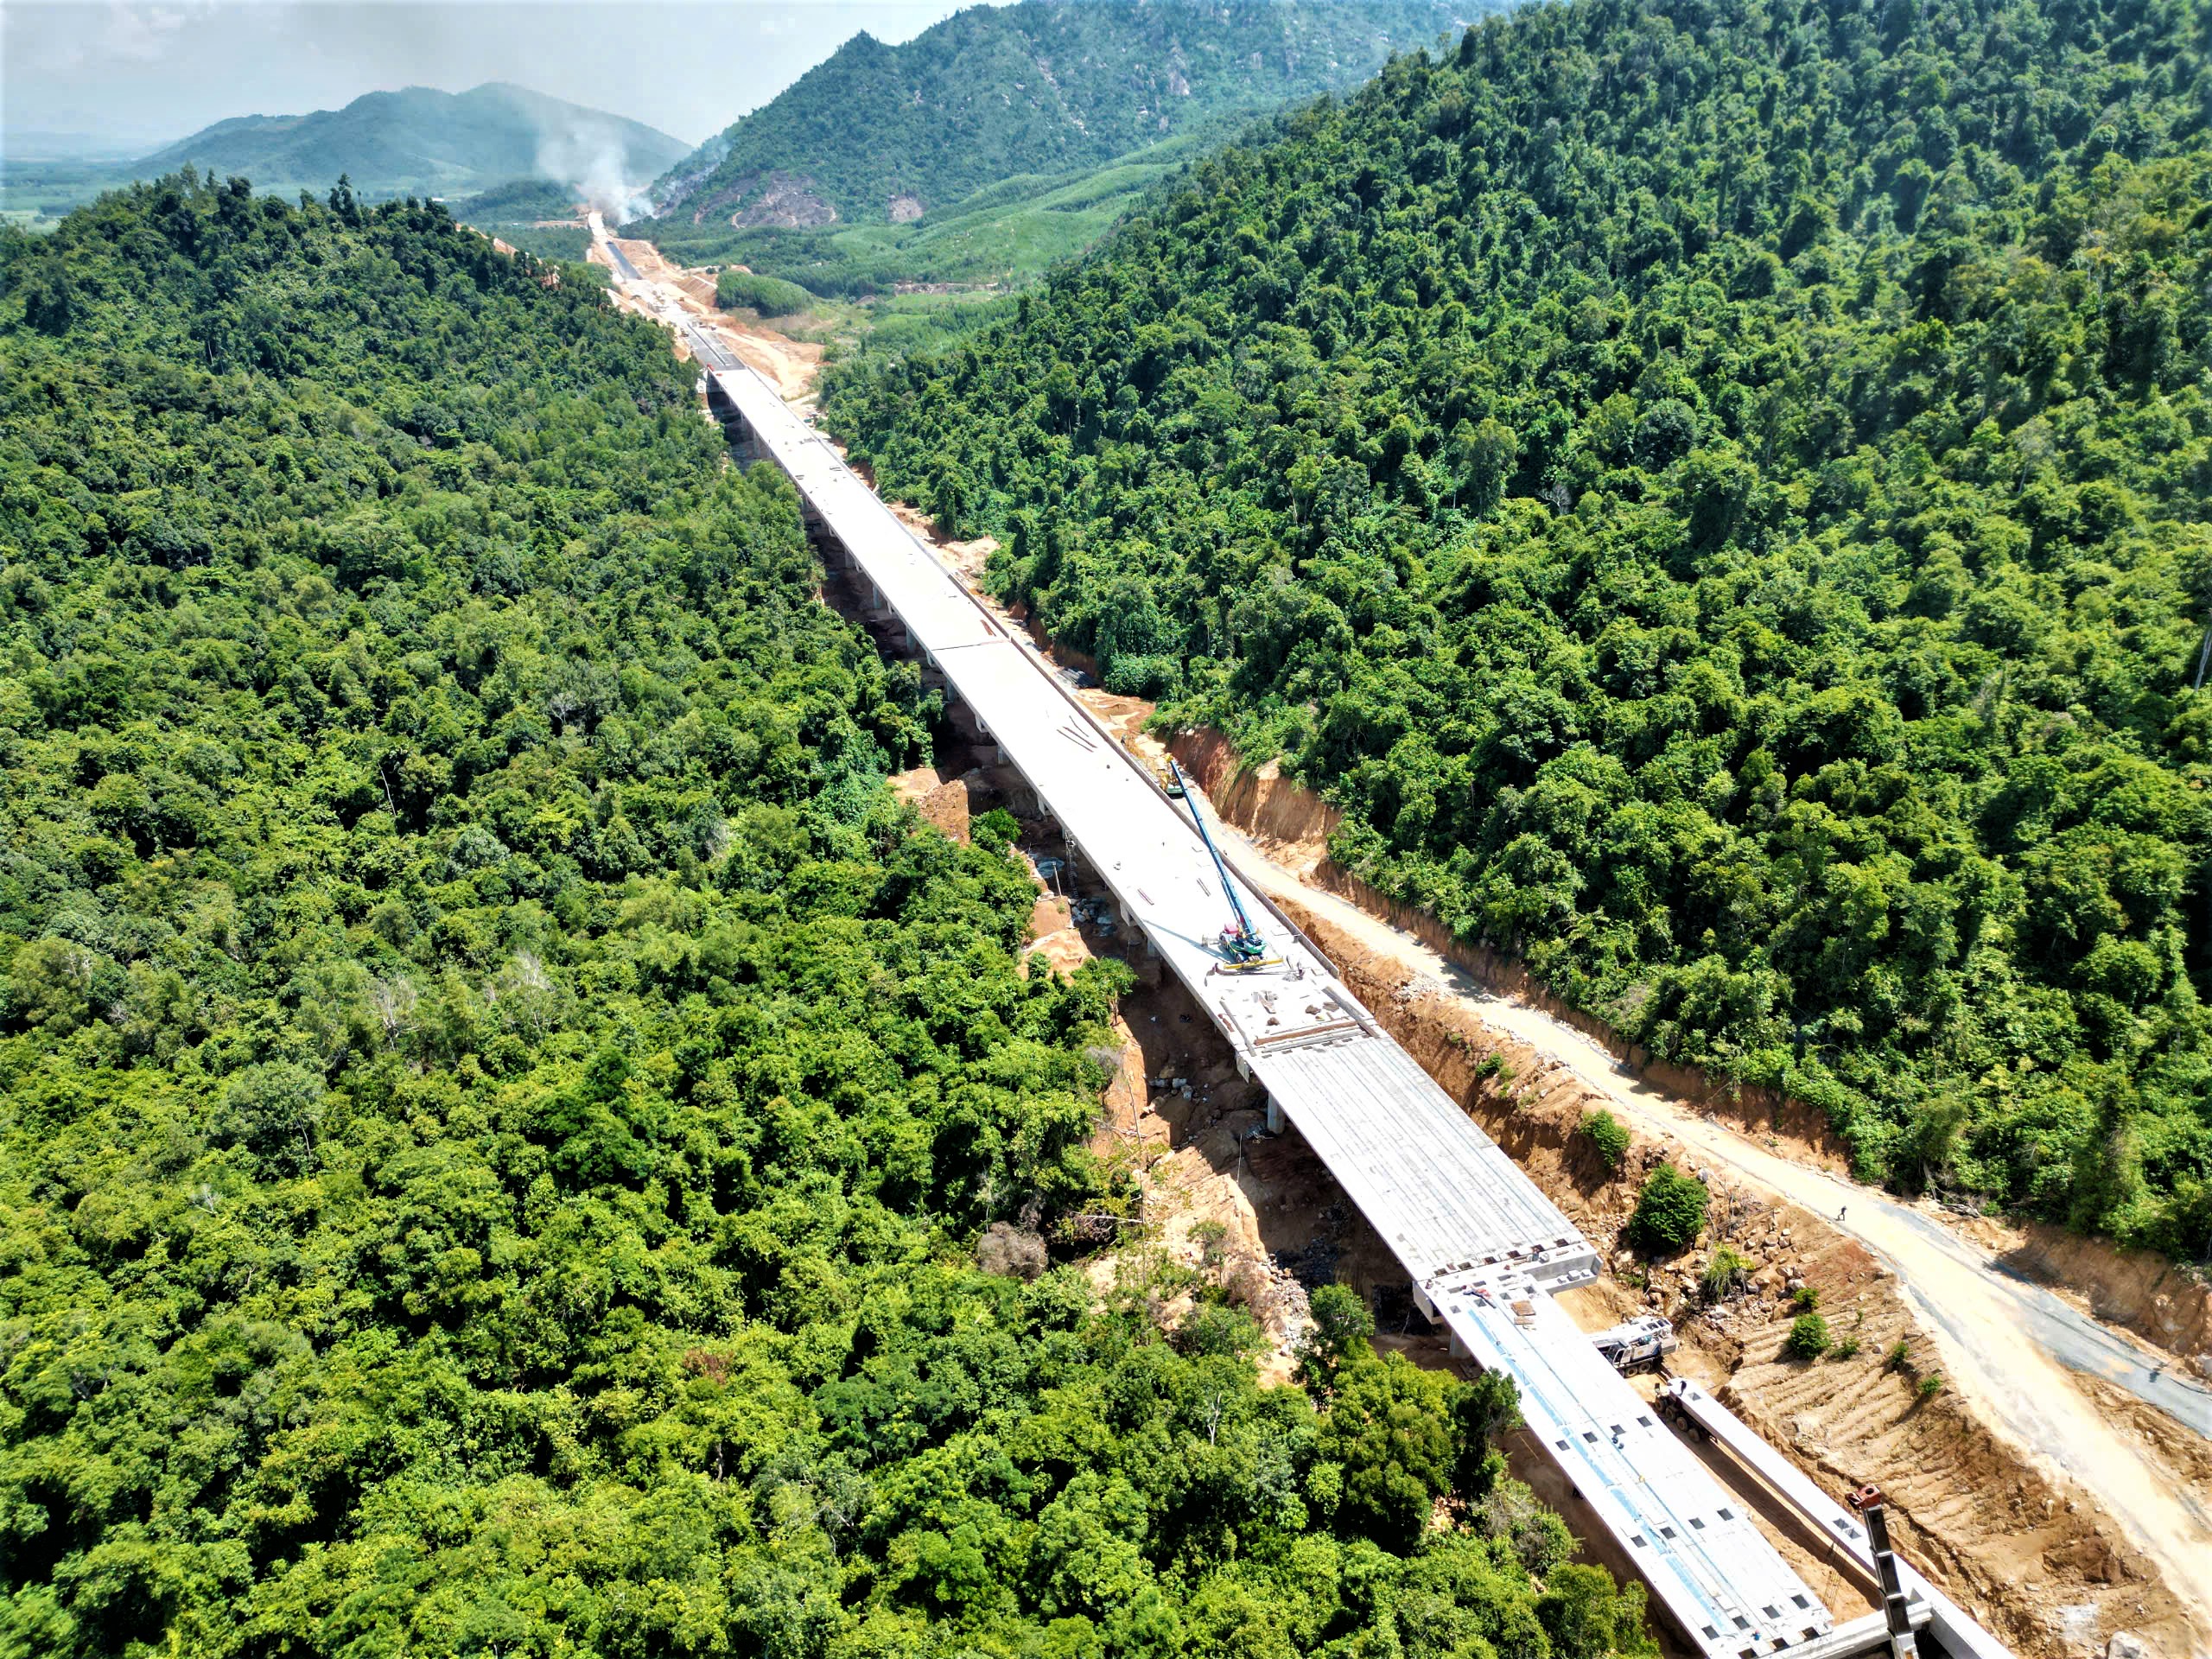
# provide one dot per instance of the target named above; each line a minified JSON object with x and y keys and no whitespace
{"x":423,"y":139}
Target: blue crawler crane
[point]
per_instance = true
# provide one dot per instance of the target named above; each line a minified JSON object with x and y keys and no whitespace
{"x":1240,"y":941}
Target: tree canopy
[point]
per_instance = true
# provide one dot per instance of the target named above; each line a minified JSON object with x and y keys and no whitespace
{"x":497,"y":1101}
{"x":1718,"y":496}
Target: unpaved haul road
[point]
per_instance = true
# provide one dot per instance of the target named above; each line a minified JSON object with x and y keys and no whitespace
{"x":683,"y":300}
{"x":2005,"y":1343}
{"x":1976,"y":1311}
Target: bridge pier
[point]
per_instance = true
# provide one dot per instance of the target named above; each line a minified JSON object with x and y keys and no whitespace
{"x":737,"y":432}
{"x":1457,"y":1348}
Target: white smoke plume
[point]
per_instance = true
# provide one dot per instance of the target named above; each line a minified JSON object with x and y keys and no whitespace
{"x":592,"y":159}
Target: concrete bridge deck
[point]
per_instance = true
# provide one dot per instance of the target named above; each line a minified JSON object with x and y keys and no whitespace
{"x":1480,"y":1242}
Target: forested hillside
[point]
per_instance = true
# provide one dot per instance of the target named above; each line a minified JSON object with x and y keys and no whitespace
{"x":429,"y":142}
{"x":497,"y":1104}
{"x":1007,"y":234}
{"x":1719,"y":495}
{"x":539,"y":216}
{"x":884,"y":133}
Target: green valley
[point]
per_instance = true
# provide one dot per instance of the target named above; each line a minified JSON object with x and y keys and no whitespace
{"x":497,"y":1099}
{"x":1004,"y":235}
{"x":1718,"y":499}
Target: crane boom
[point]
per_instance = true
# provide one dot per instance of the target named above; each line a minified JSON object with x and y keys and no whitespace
{"x":1243,"y":941}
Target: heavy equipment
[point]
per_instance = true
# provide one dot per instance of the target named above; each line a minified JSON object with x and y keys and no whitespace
{"x":1163,"y":771}
{"x":1896,"y":1612}
{"x":1241,"y":942}
{"x":1644,"y":1341}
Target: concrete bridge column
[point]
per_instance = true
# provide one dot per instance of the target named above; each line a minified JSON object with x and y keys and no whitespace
{"x":737,"y":432}
{"x":1427,"y":1306}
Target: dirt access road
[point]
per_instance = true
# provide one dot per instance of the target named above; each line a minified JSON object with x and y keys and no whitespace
{"x":651,"y":286}
{"x":2010,"y":1348}
{"x":1989,"y":1299}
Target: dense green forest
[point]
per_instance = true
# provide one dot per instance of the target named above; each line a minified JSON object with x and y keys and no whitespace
{"x":497,"y":1102}
{"x":1044,"y":86}
{"x":771,"y":296}
{"x":1719,"y":496}
{"x":517,"y":211}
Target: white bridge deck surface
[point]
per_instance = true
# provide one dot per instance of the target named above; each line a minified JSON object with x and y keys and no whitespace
{"x":1479,"y":1242}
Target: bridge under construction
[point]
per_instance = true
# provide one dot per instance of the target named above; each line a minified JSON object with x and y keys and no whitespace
{"x":1481,"y":1246}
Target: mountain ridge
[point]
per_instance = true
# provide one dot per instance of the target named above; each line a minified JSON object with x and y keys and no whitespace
{"x":421,"y":139}
{"x":1041,"y":86}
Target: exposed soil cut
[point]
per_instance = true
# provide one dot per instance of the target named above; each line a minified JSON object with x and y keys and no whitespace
{"x":2019,"y":1540}
{"x":786,"y":201}
{"x":943,"y":802}
{"x":790,"y":365}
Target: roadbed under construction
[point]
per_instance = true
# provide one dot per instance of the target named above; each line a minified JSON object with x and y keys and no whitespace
{"x":1481,"y":1246}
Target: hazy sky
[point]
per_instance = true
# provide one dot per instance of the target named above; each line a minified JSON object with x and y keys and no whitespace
{"x":149,"y":73}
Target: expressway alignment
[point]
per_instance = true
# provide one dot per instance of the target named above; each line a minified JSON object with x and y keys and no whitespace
{"x":1481,"y":1244}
